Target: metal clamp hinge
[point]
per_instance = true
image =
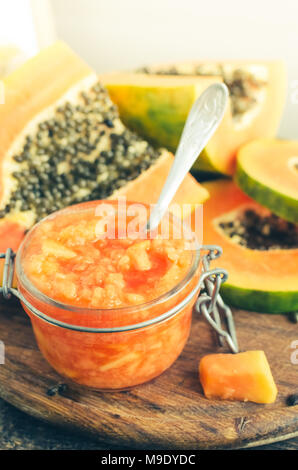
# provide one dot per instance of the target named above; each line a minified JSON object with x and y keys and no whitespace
{"x":210,"y":303}
{"x":8,"y":271}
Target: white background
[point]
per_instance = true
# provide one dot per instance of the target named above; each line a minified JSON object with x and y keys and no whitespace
{"x":120,"y":34}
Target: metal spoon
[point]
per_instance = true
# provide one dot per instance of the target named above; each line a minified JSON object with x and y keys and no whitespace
{"x":202,"y":121}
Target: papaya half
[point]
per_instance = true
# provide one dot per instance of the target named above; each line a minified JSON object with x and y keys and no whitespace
{"x":267,"y":170}
{"x":155,"y":102}
{"x":260,"y":250}
{"x":62,"y":142}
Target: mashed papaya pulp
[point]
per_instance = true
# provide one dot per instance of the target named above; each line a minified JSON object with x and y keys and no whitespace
{"x":88,"y":280}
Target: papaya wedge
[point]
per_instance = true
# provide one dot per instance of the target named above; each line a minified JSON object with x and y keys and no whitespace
{"x":262,"y":277}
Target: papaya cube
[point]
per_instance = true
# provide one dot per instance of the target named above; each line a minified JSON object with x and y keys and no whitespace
{"x":245,"y":376}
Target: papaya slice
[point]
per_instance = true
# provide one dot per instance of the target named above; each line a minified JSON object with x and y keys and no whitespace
{"x":245,"y":376}
{"x":261,"y":262}
{"x":163,"y":94}
{"x":62,"y":142}
{"x":267,"y":170}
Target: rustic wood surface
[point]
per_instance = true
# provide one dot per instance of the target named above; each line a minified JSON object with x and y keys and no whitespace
{"x":19,"y":431}
{"x":171,"y":411}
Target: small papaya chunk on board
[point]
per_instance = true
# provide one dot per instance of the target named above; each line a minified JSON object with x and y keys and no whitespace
{"x":245,"y":376}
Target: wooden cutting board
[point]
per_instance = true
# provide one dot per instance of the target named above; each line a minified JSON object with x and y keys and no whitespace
{"x":171,"y":411}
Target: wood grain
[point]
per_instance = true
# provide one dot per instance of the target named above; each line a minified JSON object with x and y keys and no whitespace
{"x":171,"y":411}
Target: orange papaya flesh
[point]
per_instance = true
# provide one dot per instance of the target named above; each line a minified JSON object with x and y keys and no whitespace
{"x":245,"y":376}
{"x":257,"y":96}
{"x":62,"y":142}
{"x":267,"y":170}
{"x":259,"y":280}
{"x":11,"y":236}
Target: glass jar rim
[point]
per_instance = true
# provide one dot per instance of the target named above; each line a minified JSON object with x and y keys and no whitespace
{"x":34,"y":291}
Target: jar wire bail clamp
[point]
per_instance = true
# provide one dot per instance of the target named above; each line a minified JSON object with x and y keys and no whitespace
{"x":209,"y":303}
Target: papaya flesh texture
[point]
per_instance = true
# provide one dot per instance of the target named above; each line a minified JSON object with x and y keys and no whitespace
{"x":62,"y":142}
{"x":245,"y":376}
{"x":267,"y":170}
{"x":262,"y":281}
{"x":156,"y":104}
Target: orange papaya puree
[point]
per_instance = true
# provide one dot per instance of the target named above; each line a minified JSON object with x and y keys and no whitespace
{"x":75,"y":271}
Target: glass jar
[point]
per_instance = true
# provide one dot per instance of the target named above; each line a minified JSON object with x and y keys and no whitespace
{"x":116,"y":348}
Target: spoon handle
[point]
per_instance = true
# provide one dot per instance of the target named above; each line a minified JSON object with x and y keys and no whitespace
{"x":202,"y":121}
